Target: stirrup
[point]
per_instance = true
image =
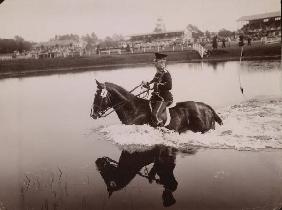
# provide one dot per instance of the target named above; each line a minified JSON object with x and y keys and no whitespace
{"x":160,"y":124}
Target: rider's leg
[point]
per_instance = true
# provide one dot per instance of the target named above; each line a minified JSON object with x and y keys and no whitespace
{"x":157,"y":109}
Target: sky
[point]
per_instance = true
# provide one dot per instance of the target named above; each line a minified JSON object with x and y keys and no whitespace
{"x":40,"y":20}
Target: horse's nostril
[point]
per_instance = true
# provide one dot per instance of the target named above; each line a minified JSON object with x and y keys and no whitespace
{"x":93,"y":116}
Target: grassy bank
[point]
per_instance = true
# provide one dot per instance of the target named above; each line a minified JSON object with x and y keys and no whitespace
{"x":21,"y":67}
{"x":249,"y":52}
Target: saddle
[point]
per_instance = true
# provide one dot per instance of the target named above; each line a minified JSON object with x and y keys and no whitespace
{"x":168,"y":117}
{"x":166,"y":110}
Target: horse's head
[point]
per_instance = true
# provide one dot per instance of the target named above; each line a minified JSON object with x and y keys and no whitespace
{"x":108,"y":171}
{"x":101,"y":101}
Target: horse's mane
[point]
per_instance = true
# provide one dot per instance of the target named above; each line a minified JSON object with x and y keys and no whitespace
{"x":121,"y":90}
{"x":112,"y":86}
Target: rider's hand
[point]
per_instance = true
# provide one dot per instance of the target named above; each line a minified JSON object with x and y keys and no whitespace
{"x":159,"y":84}
{"x":145,"y":84}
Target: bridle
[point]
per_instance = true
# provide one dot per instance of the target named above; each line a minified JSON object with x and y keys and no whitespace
{"x":105,"y":113}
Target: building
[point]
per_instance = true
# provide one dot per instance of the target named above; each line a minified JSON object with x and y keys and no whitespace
{"x":260,"y":25}
{"x":159,"y":39}
{"x":157,"y":36}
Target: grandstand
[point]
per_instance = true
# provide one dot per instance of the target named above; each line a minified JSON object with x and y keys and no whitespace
{"x":162,"y":36}
{"x":168,"y":40}
{"x":261,"y":25}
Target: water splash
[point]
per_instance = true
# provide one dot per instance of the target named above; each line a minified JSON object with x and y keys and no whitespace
{"x":251,"y":125}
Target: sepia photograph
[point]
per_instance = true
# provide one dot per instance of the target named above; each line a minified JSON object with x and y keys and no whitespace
{"x":140,"y":105}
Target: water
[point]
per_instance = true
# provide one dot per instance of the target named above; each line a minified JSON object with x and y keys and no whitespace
{"x":49,"y":144}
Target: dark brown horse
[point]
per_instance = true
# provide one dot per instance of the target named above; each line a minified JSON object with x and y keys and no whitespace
{"x":189,"y":115}
{"x":117,"y":175}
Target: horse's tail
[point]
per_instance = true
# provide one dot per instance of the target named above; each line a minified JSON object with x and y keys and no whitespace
{"x":216,"y":117}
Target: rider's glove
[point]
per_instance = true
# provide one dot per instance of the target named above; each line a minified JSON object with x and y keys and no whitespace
{"x":146,"y":85}
{"x":159,"y":84}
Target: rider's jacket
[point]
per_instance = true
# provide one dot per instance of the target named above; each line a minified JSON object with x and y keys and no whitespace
{"x":162,"y":86}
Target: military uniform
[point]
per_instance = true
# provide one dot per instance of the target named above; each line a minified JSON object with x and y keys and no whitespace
{"x":161,"y":95}
{"x":162,"y":86}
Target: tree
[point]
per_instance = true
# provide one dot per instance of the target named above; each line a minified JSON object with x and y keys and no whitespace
{"x":18,"y":38}
{"x":16,"y":44}
{"x":113,"y":41}
{"x":117,"y":37}
{"x":108,"y":42}
{"x":193,"y":28}
{"x":91,"y":40}
{"x":196,"y":33}
{"x":208,"y":34}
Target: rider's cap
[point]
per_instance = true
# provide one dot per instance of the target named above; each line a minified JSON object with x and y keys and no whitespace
{"x":160,"y":56}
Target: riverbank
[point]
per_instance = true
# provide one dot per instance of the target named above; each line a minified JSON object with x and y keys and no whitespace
{"x":29,"y":67}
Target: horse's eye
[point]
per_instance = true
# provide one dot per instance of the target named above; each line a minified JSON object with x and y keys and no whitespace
{"x":98,"y":93}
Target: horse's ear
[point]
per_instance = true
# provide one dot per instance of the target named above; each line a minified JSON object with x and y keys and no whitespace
{"x":99,"y":85}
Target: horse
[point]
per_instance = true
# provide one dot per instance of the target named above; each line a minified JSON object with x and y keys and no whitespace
{"x":131,"y":109}
{"x":117,"y":175}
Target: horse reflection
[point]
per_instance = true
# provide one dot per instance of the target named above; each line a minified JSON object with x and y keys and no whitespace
{"x":118,"y":175}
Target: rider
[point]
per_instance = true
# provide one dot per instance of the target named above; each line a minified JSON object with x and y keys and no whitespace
{"x":161,"y":96}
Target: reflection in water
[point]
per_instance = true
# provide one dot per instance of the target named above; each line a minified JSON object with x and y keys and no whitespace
{"x":118,"y":175}
{"x":215,"y":65}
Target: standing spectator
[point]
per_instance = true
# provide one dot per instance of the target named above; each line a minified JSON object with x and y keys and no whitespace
{"x":263,"y":39}
{"x":127,"y":48}
{"x":98,"y":50}
{"x":249,"y":41}
{"x":241,"y":40}
{"x":223,"y":43}
{"x":214,"y":42}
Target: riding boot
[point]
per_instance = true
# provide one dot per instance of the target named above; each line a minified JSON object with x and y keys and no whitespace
{"x":157,"y":109}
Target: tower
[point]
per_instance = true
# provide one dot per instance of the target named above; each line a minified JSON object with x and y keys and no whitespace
{"x":160,"y":26}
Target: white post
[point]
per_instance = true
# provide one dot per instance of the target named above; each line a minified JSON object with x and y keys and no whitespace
{"x":201,"y":52}
{"x":241,"y":54}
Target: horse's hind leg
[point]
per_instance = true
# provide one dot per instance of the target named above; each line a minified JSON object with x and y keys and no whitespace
{"x":197,"y":124}
{"x":213,"y":124}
